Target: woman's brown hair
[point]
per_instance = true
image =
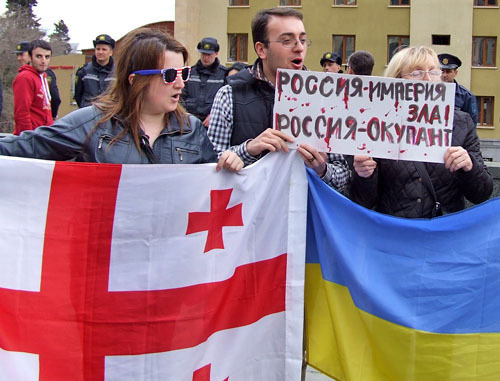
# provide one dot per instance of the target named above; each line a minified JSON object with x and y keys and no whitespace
{"x":140,"y":49}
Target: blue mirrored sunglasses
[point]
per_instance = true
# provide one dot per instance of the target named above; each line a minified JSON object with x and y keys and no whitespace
{"x":169,"y":75}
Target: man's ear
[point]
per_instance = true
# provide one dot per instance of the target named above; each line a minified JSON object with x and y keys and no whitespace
{"x":131,"y":79}
{"x":261,"y":50}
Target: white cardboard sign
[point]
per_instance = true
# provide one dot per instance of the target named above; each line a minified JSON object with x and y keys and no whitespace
{"x":364,"y":115}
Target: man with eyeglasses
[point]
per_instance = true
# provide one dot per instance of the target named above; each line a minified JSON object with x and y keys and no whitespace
{"x":242,"y":114}
{"x":464,"y":99}
{"x":207,"y":77}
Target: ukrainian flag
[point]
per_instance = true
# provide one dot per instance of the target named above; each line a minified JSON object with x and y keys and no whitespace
{"x":401,"y":299}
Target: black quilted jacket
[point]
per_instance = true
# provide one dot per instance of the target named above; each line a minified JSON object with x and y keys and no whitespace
{"x":397,"y":189}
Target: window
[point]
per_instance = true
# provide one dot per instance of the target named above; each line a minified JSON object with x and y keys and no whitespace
{"x":238,"y":47}
{"x":290,"y":2}
{"x":394,"y":43}
{"x":343,"y":45}
{"x":484,"y":50}
{"x":400,"y":2}
{"x":485,"y":3}
{"x":485,"y":111}
{"x":345,"y":2}
{"x":441,"y":39}
{"x":236,"y":3}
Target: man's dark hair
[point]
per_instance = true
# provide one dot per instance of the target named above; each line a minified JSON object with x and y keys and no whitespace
{"x":361,"y":62}
{"x":39,"y":44}
{"x":261,"y":19}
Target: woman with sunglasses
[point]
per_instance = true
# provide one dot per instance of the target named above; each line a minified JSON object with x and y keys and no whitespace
{"x":424,"y":190}
{"x":137,"y":121}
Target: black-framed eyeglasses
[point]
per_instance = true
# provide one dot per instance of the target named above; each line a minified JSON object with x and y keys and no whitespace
{"x":291,"y":43}
{"x":169,"y":75}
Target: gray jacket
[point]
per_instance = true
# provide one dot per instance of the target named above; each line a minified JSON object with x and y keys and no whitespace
{"x":73,"y":137}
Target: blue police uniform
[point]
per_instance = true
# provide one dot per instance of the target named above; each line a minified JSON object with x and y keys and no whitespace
{"x":464,"y":99}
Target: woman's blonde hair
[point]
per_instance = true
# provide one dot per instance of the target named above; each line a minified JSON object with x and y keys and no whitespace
{"x":407,"y":59}
{"x":140,"y":49}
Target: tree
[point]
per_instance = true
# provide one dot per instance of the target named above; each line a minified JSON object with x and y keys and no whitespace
{"x":23,"y":10}
{"x":59,"y":39}
{"x":18,"y":24}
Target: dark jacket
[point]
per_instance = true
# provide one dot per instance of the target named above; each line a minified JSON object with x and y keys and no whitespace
{"x":253,"y":103}
{"x":396,"y":187}
{"x":74,"y":136}
{"x":55,"y":98}
{"x":91,"y":80}
{"x":466,"y":101}
{"x":199,"y":92}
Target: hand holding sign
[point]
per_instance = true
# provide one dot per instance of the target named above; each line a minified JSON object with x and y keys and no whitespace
{"x":269,"y":140}
{"x":364,"y":165}
{"x":457,"y":158}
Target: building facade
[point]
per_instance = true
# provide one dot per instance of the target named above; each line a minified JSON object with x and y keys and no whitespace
{"x":465,"y":28}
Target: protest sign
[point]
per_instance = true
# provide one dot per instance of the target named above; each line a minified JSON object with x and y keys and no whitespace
{"x":364,"y":115}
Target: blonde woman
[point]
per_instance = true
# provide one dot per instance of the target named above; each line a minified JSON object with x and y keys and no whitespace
{"x":424,"y":190}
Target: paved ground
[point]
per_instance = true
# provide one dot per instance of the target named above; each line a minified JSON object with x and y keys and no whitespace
{"x":314,"y":375}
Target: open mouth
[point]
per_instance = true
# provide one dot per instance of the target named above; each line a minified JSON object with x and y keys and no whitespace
{"x":297,"y":62}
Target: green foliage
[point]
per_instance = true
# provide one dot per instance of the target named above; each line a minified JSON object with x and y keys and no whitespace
{"x":59,"y":39}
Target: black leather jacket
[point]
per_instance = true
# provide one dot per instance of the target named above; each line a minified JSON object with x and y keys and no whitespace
{"x":74,"y":136}
{"x":397,"y":188}
{"x":91,"y":80}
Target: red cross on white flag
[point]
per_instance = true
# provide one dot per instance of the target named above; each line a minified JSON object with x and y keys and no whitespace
{"x":98,"y":279}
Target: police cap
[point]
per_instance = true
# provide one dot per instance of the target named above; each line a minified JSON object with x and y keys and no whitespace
{"x":104,"y":39}
{"x":208,"y":45}
{"x":449,"y":61}
{"x":333,"y":57}
{"x":22,"y":47}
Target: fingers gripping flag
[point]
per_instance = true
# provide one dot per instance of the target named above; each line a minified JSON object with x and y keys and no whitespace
{"x":151,"y":272}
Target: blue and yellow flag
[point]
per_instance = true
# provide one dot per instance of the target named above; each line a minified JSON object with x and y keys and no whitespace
{"x":389,"y":298}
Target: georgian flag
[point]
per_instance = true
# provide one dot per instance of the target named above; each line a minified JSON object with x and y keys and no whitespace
{"x":159,"y":272}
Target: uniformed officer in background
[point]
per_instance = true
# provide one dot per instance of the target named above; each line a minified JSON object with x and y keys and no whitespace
{"x":94,"y":77}
{"x":331,"y":62}
{"x":207,"y":77}
{"x":464,"y":99}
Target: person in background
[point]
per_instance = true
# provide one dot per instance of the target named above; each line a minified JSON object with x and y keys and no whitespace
{"x":138,"y":121}
{"x":242,"y":115}
{"x":360,"y":62}
{"x":94,"y":78}
{"x":424,"y":190}
{"x":24,"y":58}
{"x":236,"y":68}
{"x":464,"y":99}
{"x":331,"y":62}
{"x":22,"y":54}
{"x":207,"y":77}
{"x":31,"y":91}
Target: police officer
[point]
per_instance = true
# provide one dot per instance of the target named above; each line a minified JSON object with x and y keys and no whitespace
{"x":464,"y":99}
{"x":331,"y":62}
{"x":24,"y":58}
{"x":94,"y":77}
{"x":207,"y":77}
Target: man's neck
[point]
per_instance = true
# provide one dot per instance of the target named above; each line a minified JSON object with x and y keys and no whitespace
{"x":269,"y":74}
{"x":102,"y":63}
